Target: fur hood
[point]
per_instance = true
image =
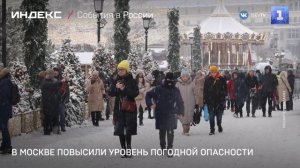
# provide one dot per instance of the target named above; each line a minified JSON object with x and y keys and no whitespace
{"x":4,"y":72}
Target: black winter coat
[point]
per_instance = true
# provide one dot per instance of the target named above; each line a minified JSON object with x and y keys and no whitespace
{"x":169,"y":104}
{"x":251,"y":82}
{"x":291,"y":79}
{"x":50,"y":97}
{"x":5,"y":98}
{"x":124,"y":120}
{"x":240,"y":89}
{"x":269,"y":83}
{"x":215,"y":91}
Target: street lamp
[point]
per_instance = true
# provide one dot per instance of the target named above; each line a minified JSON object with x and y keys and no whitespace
{"x":98,"y":4}
{"x":146,"y":23}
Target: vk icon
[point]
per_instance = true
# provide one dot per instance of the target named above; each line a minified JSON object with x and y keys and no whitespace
{"x":280,"y":15}
{"x":244,"y":14}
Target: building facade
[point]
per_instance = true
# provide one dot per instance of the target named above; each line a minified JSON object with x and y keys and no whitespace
{"x":193,"y":13}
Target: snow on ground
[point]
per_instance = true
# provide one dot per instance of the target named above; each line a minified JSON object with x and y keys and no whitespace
{"x":273,"y":145}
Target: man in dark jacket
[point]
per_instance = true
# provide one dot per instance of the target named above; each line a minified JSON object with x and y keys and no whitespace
{"x":268,"y":86}
{"x":214,"y":97}
{"x":64,"y":96}
{"x":50,"y":102}
{"x":291,"y":79}
{"x":240,"y":90}
{"x":251,"y":86}
{"x":259,"y":89}
{"x":227,"y":77}
{"x":124,"y":88}
{"x":5,"y":109}
{"x":168,"y":108}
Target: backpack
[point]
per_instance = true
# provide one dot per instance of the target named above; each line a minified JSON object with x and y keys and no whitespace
{"x":15,"y":94}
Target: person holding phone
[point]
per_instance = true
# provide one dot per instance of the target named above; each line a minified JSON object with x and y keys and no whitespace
{"x":125,"y":90}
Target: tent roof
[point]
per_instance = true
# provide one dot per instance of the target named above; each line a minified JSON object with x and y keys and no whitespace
{"x":221,"y":22}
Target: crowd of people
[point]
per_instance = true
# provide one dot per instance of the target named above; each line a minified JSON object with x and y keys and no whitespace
{"x":256,"y":89}
{"x":166,"y":97}
{"x":174,"y":96}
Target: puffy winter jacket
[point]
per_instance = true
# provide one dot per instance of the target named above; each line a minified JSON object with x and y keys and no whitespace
{"x":168,"y":103}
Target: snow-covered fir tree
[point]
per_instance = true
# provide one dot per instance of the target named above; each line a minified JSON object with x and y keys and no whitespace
{"x":121,"y":30}
{"x":72,"y":70}
{"x":103,"y":62}
{"x":149,"y":65}
{"x":155,"y":65}
{"x":35,"y":39}
{"x":134,"y":58}
{"x":174,"y":46}
{"x":30,"y":97}
{"x":197,"y":49}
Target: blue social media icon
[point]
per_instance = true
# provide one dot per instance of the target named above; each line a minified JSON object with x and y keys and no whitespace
{"x":244,"y":14}
{"x":280,"y":15}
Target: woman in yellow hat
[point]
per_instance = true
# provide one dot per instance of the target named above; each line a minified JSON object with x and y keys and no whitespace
{"x":125,"y":89}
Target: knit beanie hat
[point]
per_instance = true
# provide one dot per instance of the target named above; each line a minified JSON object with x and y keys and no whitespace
{"x":213,"y":69}
{"x":185,"y":71}
{"x":124,"y":65}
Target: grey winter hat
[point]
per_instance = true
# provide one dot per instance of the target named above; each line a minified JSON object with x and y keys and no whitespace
{"x":185,"y":71}
{"x":149,"y":78}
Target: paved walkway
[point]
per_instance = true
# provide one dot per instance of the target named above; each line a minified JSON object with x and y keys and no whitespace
{"x":275,"y":142}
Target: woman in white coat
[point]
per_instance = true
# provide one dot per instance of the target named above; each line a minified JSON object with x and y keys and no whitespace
{"x":186,"y":87}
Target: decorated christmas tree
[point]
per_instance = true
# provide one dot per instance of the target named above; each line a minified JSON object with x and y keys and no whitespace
{"x":30,"y":97}
{"x":72,"y":70}
{"x":103,"y":62}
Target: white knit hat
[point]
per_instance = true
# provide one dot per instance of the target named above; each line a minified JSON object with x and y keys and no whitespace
{"x":185,"y":71}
